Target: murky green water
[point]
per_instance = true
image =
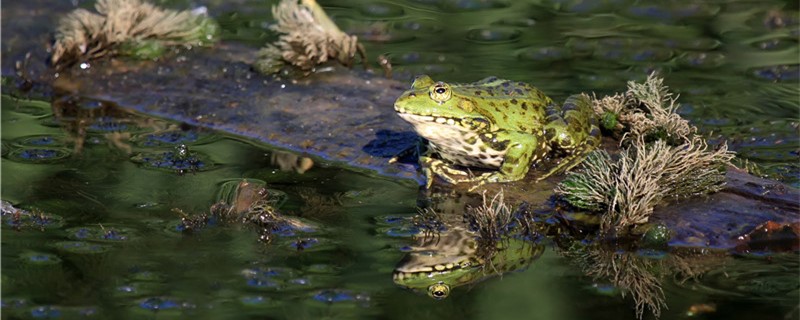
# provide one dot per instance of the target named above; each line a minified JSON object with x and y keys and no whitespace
{"x":100,"y":237}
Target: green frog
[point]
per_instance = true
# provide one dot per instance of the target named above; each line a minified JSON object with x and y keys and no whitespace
{"x":496,"y":126}
{"x":452,"y":259}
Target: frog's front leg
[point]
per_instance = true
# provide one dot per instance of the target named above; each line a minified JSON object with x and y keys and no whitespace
{"x":432,"y":167}
{"x":525,"y":149}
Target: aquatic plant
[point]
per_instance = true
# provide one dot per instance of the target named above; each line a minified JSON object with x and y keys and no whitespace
{"x":640,"y":273}
{"x":247,"y":203}
{"x":129,"y":27}
{"x":308,"y":38}
{"x":495,"y":221}
{"x":662,"y":158}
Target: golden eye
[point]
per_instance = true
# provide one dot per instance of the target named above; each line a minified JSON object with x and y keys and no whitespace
{"x":440,"y":92}
{"x":439,"y":290}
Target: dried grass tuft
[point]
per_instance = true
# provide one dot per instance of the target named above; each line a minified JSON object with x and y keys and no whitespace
{"x":308,"y":38}
{"x":663,"y":158}
{"x":494,"y":220}
{"x":85,"y":35}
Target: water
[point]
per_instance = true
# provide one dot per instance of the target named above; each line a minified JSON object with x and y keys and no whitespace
{"x":101,"y":236}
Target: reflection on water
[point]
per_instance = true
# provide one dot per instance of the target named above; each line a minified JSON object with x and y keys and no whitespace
{"x":89,"y":229}
{"x":461,"y":244}
{"x":97,"y":233}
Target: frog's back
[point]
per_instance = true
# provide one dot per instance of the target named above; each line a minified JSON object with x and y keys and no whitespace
{"x":509,"y":103}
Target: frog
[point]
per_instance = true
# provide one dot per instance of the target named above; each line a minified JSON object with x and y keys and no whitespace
{"x":498,"y":128}
{"x":452,"y":259}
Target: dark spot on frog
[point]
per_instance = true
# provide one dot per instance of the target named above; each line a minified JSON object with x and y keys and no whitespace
{"x":468,"y":148}
{"x":500,"y":145}
{"x":514,"y":101}
{"x":477,"y":92}
{"x":549,"y":134}
{"x":471,"y":140}
{"x":524,"y":105}
{"x":506,"y":84}
{"x":569,"y":107}
{"x":492,"y":104}
{"x":518,"y":91}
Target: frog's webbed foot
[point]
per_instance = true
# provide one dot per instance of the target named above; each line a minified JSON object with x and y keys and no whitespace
{"x":432,"y":167}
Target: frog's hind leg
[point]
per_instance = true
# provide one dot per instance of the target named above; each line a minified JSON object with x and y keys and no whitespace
{"x":572,"y":129}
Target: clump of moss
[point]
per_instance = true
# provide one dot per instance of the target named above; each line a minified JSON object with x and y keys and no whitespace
{"x":128,"y":27}
{"x":662,"y":158}
{"x":307,"y":39}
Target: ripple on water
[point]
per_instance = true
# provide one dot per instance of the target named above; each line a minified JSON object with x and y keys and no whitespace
{"x":381,"y":10}
{"x":779,"y":73}
{"x":164,"y":306}
{"x":174,"y":161}
{"x":494,"y":35}
{"x":81,"y":247}
{"x":38,"y":155}
{"x":673,"y":12}
{"x":752,"y":277}
{"x":41,"y":140}
{"x":101,"y":233}
{"x":31,"y":108}
{"x":341,"y":296}
{"x":259,"y":301}
{"x":545,"y":54}
{"x":701,"y":60}
{"x":16,"y":218}
{"x":172,"y":138}
{"x":39,"y":258}
{"x":465,"y":5}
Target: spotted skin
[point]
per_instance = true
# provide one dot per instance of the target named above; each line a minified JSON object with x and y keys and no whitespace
{"x":495,"y":124}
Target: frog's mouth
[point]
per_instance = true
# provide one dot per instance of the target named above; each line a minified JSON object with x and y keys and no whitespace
{"x":417,"y":119}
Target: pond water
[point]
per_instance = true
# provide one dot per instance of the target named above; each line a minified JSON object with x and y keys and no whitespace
{"x":94,"y":194}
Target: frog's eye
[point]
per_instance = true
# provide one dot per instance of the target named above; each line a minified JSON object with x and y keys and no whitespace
{"x":440,"y":92}
{"x":439,"y":290}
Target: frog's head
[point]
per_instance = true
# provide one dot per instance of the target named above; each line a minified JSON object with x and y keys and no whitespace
{"x":429,"y":102}
{"x":421,"y":272}
{"x":451,"y":260}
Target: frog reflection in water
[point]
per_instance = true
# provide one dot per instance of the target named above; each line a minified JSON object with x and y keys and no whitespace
{"x":495,"y":124}
{"x":442,"y":262}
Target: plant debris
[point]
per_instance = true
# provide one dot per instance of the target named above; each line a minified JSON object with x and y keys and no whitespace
{"x":662,"y":158}
{"x":308,"y":38}
{"x":640,"y":275}
{"x":128,"y":27}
